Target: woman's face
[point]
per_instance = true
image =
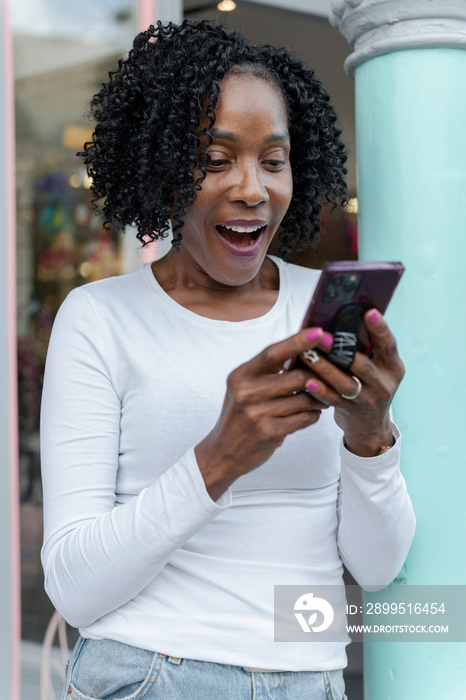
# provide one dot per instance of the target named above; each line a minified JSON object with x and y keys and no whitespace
{"x":248,"y":186}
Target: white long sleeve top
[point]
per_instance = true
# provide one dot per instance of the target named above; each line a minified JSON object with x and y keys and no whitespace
{"x":135,"y":549}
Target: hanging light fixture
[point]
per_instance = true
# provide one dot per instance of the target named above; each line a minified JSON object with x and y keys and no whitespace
{"x":226,"y":6}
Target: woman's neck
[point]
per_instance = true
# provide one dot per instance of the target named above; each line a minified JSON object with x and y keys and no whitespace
{"x":201,"y":295}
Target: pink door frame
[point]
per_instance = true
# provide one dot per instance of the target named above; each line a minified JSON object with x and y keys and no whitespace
{"x":8,"y":231}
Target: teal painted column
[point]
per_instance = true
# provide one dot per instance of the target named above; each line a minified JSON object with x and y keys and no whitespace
{"x":411,"y":155}
{"x":411,"y":136}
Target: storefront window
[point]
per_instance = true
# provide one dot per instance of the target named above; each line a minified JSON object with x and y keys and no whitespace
{"x":62,"y":53}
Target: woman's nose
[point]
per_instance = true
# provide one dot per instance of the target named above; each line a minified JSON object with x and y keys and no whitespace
{"x":249,"y":186}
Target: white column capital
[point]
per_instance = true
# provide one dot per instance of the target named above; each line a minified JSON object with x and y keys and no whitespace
{"x":375,"y":27}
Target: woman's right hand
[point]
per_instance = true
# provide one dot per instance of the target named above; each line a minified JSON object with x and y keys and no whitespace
{"x":261,"y":407}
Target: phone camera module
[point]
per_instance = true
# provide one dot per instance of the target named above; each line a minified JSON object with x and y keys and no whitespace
{"x":342,"y":288}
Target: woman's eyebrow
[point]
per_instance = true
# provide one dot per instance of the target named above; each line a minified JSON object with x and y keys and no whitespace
{"x":279,"y":136}
{"x":230,"y":136}
{"x":222,"y":134}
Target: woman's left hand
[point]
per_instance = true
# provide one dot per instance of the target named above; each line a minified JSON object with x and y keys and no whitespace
{"x":364,"y":419}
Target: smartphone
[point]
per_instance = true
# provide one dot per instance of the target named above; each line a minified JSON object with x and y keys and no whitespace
{"x":344,"y":292}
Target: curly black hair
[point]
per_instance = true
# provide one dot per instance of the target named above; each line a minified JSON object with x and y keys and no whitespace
{"x":146,"y":146}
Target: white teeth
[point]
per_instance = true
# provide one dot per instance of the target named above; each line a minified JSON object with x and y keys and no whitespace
{"x":243,"y":229}
{"x":251,"y":242}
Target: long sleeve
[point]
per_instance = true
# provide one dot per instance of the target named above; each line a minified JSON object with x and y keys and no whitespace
{"x":98,"y":555}
{"x":376,"y":518}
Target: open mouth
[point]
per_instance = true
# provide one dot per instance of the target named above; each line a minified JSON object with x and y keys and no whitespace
{"x":241,"y":238}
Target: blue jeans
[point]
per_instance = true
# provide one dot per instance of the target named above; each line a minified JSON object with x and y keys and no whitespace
{"x":108,"y":670}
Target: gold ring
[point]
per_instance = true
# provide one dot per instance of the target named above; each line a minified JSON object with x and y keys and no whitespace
{"x":356,"y":393}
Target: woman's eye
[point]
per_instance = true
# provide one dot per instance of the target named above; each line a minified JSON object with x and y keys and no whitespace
{"x":217,"y":164}
{"x":276,"y":164}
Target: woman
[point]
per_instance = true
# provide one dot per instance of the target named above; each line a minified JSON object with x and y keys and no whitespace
{"x":184,"y":475}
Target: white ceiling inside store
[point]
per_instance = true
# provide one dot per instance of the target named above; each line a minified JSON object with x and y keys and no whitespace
{"x":314,"y":7}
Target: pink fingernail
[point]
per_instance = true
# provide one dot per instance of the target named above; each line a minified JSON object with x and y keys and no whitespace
{"x":314,"y":334}
{"x":312,"y":386}
{"x":374,"y":317}
{"x":327,"y":341}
